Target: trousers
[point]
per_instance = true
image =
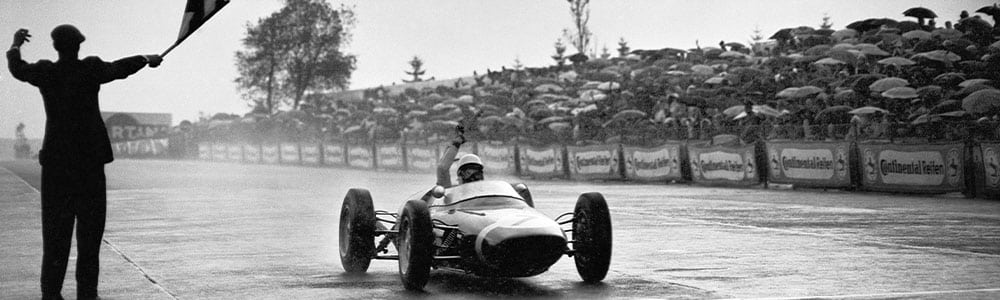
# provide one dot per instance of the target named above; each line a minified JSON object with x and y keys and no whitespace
{"x":72,"y":195}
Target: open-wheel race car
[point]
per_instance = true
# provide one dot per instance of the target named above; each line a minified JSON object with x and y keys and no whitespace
{"x":487,"y":228}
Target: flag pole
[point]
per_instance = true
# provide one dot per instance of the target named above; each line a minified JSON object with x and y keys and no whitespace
{"x":210,"y":15}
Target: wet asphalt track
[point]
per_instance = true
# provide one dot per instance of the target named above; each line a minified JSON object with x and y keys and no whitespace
{"x":230,"y":231}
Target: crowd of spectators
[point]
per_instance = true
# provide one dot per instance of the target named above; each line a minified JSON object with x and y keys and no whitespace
{"x":906,"y":81}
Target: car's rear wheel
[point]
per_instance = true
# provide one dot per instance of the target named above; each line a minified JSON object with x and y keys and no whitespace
{"x":415,"y":242}
{"x":357,"y":231}
{"x":592,"y":237}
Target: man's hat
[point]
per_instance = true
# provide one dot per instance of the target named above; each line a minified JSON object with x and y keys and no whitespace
{"x":470,"y":159}
{"x":67,"y":34}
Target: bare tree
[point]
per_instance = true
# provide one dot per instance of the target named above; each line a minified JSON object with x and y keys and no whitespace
{"x":580,"y":37}
{"x":416,"y":64}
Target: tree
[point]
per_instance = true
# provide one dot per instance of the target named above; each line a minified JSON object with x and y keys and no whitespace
{"x":622,"y":47}
{"x":826,"y":22}
{"x":580,"y":37}
{"x":416,"y":63}
{"x":294,"y":52}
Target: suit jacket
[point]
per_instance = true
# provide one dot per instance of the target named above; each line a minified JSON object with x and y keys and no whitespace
{"x":75,"y":133}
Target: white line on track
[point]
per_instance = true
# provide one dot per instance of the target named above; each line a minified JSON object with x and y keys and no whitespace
{"x":882,"y":295}
{"x":106,"y":241}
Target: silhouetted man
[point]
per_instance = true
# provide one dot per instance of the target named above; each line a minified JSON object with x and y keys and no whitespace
{"x":73,"y":154}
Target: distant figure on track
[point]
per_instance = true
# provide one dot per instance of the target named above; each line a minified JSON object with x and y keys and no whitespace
{"x":75,"y":148}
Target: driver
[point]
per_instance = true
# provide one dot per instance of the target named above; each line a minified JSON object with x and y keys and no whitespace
{"x":470,"y":167}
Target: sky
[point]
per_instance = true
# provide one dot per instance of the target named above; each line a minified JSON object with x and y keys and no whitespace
{"x":452,"y":37}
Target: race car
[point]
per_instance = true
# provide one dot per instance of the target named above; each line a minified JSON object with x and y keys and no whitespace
{"x":486,"y":228}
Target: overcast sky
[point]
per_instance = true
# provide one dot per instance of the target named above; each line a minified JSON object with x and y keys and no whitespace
{"x":453,"y":37}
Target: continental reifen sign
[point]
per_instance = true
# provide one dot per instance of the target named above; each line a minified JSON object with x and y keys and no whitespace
{"x":991,"y":165}
{"x":653,"y":163}
{"x":421,"y":157}
{"x":725,"y":165}
{"x":542,"y":162}
{"x":497,"y":158}
{"x":821,"y":164}
{"x":912,"y":168}
{"x":594,"y":162}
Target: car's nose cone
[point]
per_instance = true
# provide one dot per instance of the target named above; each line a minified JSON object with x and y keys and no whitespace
{"x":521,"y":246}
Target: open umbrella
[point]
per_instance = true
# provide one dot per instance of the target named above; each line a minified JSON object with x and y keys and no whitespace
{"x":844,"y":55}
{"x":926,"y":118}
{"x":920,"y":13}
{"x":946,"y":106}
{"x":560,"y":126}
{"x":608,"y":86}
{"x":585,"y":109}
{"x":442,"y":125}
{"x":871,"y":50}
{"x":917,"y":35}
{"x":676,"y":73}
{"x":548,"y":88}
{"x":995,"y":45}
{"x":900,"y":92}
{"x":947,"y":33}
{"x":385,"y":111}
{"x":592,"y":95}
{"x":552,"y":119}
{"x":971,"y":82}
{"x":761,"y":110}
{"x":897,"y":61}
{"x":885,"y":84}
{"x":938,"y":55}
{"x":954,"y":114}
{"x":444,"y":106}
{"x":716,"y":80}
{"x":491,"y":120}
{"x":733,"y":55}
{"x":702,"y":70}
{"x":458,"y":101}
{"x":734,"y":110}
{"x":949,"y":79}
{"x":817,"y":50}
{"x":839,"y":114}
{"x":807,"y":91}
{"x":844,"y":34}
{"x":984,"y":101}
{"x":828,"y":62}
{"x":787,"y":93}
{"x":867,"y":110}
{"x":535,"y":102}
{"x":628,"y":114}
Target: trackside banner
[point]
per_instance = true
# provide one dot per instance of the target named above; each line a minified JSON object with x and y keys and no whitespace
{"x":724,"y":165}
{"x":817,"y":164}
{"x":542,"y":162}
{"x":219,"y":152}
{"x":599,"y":162}
{"x":204,"y":151}
{"x":360,"y":156}
{"x":270,"y":154}
{"x":290,"y":153}
{"x":658,"y":163}
{"x":389,"y":157}
{"x":141,"y":148}
{"x":251,"y":153}
{"x":234,"y":152}
{"x":421,"y":158}
{"x":334,"y":154}
{"x":990,"y":168}
{"x":310,"y":154}
{"x":912,"y":168}
{"x":497,"y":157}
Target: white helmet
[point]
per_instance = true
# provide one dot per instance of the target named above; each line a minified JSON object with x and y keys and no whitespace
{"x":470,"y":159}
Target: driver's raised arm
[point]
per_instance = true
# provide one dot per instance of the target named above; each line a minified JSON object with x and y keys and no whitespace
{"x":448,"y":158}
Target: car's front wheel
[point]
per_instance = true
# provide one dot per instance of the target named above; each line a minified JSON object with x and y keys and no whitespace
{"x":357,"y":231}
{"x":415,"y":242}
{"x":592,"y":237}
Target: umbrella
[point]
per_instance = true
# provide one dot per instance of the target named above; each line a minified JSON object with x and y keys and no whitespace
{"x":592,"y":95}
{"x":954,"y":114}
{"x":946,"y":33}
{"x":590,"y":85}
{"x":900,"y":92}
{"x":995,"y":45}
{"x":760,"y":110}
{"x":560,"y":126}
{"x":628,"y":114}
{"x":846,"y":56}
{"x":973,"y":24}
{"x":733,"y":54}
{"x":459,"y":101}
{"x":442,"y":124}
{"x":676,"y":73}
{"x":716,"y":80}
{"x":535,"y":102}
{"x":444,"y":106}
{"x":844,"y":34}
{"x":735,"y":46}
{"x":817,"y":50}
{"x":989,"y":10}
{"x":548,"y":88}
{"x":971,"y":82}
{"x":918,"y":35}
{"x":491,"y":120}
{"x":871,"y":50}
{"x":867,"y":110}
{"x":984,"y":101}
{"x":807,"y":91}
{"x":946,"y":106}
{"x":949,"y":79}
{"x":885,"y":84}
{"x":540,"y":113}
{"x":834,"y":115}
{"x":702,"y":70}
{"x":845,"y":96}
{"x":608,"y":86}
{"x":552,"y":119}
{"x":926,"y":118}
{"x":385,"y":111}
{"x":580,"y":110}
{"x":973,"y":88}
{"x":920,"y":13}
{"x":896,"y":61}
{"x":787,"y":93}
{"x":938,"y":55}
{"x":828,"y":62}
{"x":733,"y":110}
{"x":930,"y":92}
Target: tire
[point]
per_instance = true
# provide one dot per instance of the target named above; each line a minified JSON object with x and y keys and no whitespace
{"x":357,"y":231}
{"x":415,"y":243}
{"x":592,"y":235}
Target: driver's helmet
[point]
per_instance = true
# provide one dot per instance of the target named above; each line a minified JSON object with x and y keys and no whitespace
{"x":470,"y":168}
